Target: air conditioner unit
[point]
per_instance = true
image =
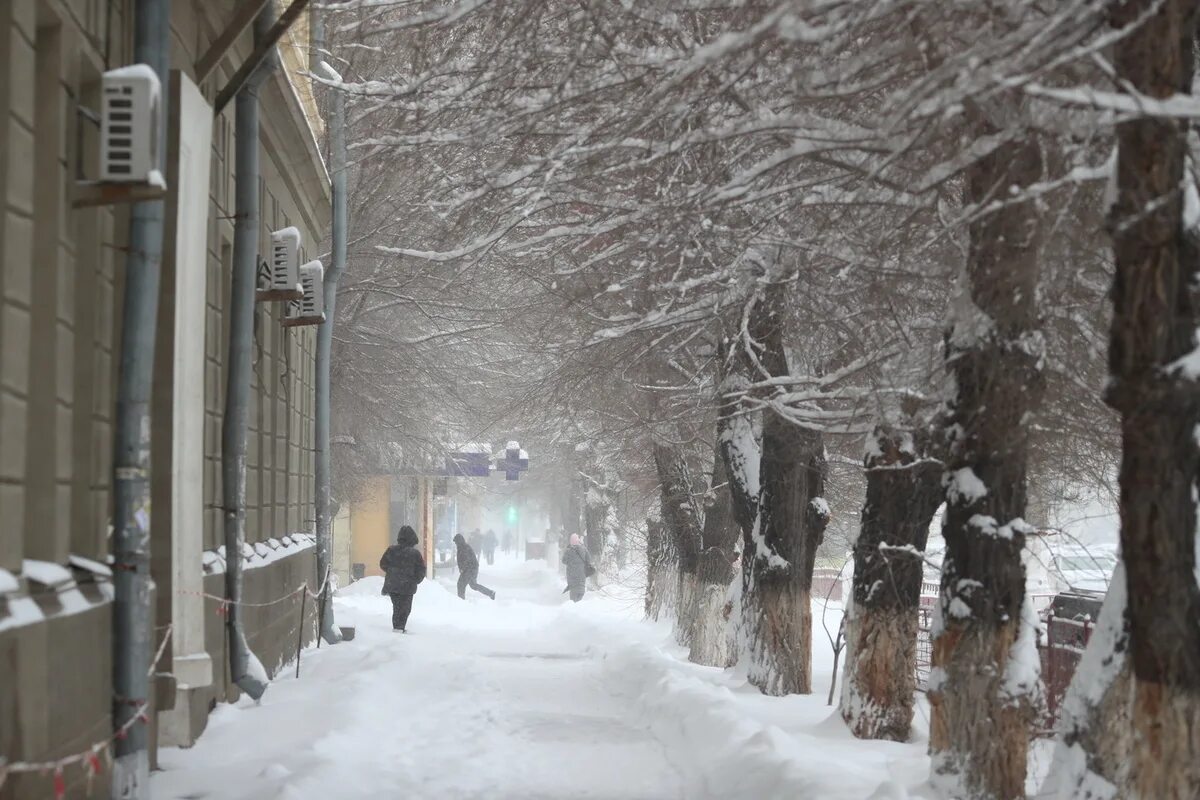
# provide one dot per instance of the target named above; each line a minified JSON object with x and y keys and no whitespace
{"x":280,"y":279}
{"x":130,"y":116}
{"x":309,"y":309}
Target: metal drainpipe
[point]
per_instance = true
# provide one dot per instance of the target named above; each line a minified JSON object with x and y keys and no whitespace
{"x":337,"y":145}
{"x":240,"y":364}
{"x":132,"y":613}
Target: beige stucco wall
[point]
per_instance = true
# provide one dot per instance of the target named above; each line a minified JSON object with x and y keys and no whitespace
{"x":370,"y":522}
{"x":61,"y":282}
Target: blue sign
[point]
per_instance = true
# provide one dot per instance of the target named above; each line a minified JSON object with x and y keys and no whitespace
{"x":468,"y":465}
{"x":515,"y":462}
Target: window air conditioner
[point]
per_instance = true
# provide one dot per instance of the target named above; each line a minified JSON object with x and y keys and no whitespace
{"x":282,"y":274}
{"x":129,"y":125}
{"x":309,"y":309}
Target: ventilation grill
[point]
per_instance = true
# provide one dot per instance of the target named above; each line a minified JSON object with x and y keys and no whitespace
{"x":129,"y":123}
{"x":310,"y":308}
{"x":281,"y":280}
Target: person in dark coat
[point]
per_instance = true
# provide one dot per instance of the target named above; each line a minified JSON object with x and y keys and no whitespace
{"x":579,"y":566}
{"x":475,"y":541}
{"x":403,"y":568}
{"x":468,"y":569}
{"x":489,"y":546}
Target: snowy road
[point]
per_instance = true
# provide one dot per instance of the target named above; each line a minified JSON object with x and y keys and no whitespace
{"x":532,"y":698}
{"x":481,"y":699}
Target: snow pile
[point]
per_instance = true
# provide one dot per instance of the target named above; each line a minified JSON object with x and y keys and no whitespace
{"x":541,"y":697}
{"x":370,"y":586}
{"x":721,"y":750}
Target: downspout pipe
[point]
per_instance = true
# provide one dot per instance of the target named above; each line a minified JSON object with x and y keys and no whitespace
{"x":244,"y":668}
{"x":132,"y":616}
{"x":337,"y":146}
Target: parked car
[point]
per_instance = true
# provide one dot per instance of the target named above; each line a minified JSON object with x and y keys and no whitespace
{"x":1076,"y":607}
{"x":1055,"y":564}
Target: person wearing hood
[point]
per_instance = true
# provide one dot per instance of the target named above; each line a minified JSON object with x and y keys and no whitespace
{"x":468,"y":569}
{"x":489,"y":546}
{"x":579,"y":567}
{"x":403,"y":568}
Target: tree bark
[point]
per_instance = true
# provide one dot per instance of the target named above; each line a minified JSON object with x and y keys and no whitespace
{"x":681,"y":519}
{"x":1153,"y":327}
{"x":596,"y":505}
{"x":712,"y":636}
{"x":980,"y":685}
{"x":784,"y":527}
{"x":1091,"y":758}
{"x":903,"y":493}
{"x":660,"y":570}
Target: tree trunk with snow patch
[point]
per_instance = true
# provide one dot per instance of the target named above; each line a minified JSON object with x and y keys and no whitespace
{"x":985,"y":669}
{"x":1091,"y":757}
{"x":903,"y":493}
{"x":712,"y":636}
{"x":661,"y":571}
{"x":1153,"y":373}
{"x":681,"y":520}
{"x":779,"y":504}
{"x":596,"y":504}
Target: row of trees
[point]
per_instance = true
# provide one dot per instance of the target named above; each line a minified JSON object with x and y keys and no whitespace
{"x":714,"y":249}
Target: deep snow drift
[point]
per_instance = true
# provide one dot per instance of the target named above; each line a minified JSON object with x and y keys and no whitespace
{"x":529,"y":696}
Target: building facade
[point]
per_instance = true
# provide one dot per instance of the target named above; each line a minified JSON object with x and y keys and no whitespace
{"x":60,"y":317}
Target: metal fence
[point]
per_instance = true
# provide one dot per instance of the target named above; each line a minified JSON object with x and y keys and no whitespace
{"x":1066,"y":639}
{"x":1061,"y":644}
{"x":827,"y":583}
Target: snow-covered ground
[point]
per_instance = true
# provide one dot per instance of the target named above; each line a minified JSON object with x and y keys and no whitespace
{"x":529,"y":697}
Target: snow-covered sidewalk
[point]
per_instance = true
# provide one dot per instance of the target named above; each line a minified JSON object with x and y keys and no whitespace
{"x":527,"y":697}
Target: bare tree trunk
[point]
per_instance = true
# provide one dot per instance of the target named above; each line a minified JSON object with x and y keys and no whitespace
{"x":681,"y":519}
{"x":661,"y":572}
{"x":1153,"y":328}
{"x":712,"y":636}
{"x":596,"y":504}
{"x":984,"y":649}
{"x":903,"y":493}
{"x":779,"y":505}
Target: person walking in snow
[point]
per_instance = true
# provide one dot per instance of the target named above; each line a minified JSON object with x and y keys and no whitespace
{"x":468,"y":569}
{"x":403,"y":568}
{"x":579,"y":567}
{"x":489,"y":546}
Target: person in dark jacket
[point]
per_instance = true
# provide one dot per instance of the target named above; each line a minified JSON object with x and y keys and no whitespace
{"x":489,"y":546}
{"x":468,"y":569}
{"x":403,"y":568}
{"x":579,"y":567}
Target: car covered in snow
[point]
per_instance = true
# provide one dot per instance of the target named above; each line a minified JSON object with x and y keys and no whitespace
{"x":1055,"y":564}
